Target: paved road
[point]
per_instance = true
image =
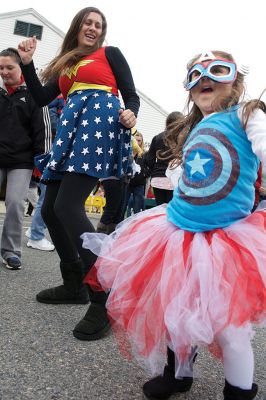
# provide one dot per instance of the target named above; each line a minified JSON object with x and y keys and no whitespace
{"x":41,"y":360}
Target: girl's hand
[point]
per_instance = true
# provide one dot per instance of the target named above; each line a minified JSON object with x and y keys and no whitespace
{"x":26,"y":49}
{"x":127,"y":118}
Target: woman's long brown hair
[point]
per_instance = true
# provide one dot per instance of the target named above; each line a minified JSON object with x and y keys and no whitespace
{"x":70,"y":54}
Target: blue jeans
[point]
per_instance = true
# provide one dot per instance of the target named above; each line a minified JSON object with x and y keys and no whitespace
{"x":37,"y":224}
{"x":138,"y":203}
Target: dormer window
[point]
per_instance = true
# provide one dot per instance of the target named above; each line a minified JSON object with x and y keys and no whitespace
{"x":27,"y":29}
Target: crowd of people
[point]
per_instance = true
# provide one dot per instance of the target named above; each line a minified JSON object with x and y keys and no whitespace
{"x":196,"y":260}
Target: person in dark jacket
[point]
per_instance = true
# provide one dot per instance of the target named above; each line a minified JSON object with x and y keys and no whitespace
{"x":135,"y":193}
{"x":161,"y":185}
{"x":25,"y":132}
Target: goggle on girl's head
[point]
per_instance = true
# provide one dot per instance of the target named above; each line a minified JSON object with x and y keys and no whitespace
{"x":217,"y":69}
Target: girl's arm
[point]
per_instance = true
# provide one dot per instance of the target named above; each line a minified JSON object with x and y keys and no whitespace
{"x":42,"y":95}
{"x":256,"y":132}
{"x":125,"y":85}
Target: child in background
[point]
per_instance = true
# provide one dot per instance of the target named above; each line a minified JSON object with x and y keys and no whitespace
{"x":201,"y":276}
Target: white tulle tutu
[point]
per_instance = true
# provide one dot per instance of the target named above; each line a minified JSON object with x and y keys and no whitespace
{"x":176,"y":288}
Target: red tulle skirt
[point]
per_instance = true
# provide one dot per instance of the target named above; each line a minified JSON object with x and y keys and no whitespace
{"x":176,"y":288}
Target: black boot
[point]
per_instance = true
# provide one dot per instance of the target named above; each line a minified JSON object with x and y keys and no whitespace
{"x":95,"y":324}
{"x":73,"y":291}
{"x":162,"y":387}
{"x":105,"y":228}
{"x":235,"y":393}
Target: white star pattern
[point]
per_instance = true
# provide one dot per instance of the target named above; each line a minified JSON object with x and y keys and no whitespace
{"x":127,"y":145}
{"x":98,"y":166}
{"x":71,"y":168}
{"x":65,"y":122}
{"x":71,"y":105}
{"x":121,"y":131}
{"x":124,"y":159}
{"x":97,"y":106}
{"x":84,"y":122}
{"x":110,"y":119}
{"x":85,"y":151}
{"x":59,"y":142}
{"x":85,"y":136}
{"x":85,"y":166}
{"x":84,"y":110}
{"x":197,"y":164}
{"x":111,"y":135}
{"x":111,"y":151}
{"x":84,"y":98}
{"x":109,"y":94}
{"x":97,"y":120}
{"x":107,"y":166}
{"x":71,"y":154}
{"x":98,"y":135}
{"x":96,"y":95}
{"x":53,"y":163}
{"x":109,"y":105}
{"x":75,"y":114}
{"x":99,"y":150}
{"x":79,"y":92}
{"x":70,"y":134}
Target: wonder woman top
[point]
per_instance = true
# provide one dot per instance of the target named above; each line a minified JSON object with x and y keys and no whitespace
{"x":105,"y":69}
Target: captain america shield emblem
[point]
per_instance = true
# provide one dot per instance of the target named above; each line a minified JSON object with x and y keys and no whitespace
{"x":211,"y":168}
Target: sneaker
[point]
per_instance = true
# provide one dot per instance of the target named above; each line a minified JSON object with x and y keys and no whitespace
{"x":28,"y":233}
{"x":42,"y":244}
{"x":12,"y":263}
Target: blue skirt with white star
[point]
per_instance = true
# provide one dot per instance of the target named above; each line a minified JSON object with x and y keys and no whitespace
{"x":90,"y":139}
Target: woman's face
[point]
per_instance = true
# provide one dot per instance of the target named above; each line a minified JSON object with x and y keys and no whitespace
{"x":10,"y":71}
{"x":90,"y":31}
{"x":138,"y":140}
{"x":207,"y":91}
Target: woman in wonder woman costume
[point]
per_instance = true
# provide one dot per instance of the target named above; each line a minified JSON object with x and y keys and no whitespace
{"x":193,"y":273}
{"x":92,"y":142}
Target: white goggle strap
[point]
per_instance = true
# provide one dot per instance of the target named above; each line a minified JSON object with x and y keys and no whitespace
{"x":208,"y":55}
{"x":243,"y":69}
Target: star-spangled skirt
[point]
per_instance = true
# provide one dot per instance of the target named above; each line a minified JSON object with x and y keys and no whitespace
{"x":89,"y":140}
{"x":171,"y":287}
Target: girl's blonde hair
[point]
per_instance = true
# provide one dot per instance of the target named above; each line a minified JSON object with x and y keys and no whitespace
{"x":139,"y":134}
{"x":178,"y":132}
{"x":70,"y":54}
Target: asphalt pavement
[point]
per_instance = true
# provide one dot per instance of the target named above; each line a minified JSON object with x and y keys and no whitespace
{"x":41,"y":360}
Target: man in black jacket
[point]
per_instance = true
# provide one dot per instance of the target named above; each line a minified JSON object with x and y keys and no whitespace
{"x":25,"y":131}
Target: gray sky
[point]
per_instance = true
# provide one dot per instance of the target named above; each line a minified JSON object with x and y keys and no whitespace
{"x":159,"y":37}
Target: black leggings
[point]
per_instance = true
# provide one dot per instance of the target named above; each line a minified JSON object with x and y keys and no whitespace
{"x":64,"y":213}
{"x":162,"y":195}
{"x":114,"y":193}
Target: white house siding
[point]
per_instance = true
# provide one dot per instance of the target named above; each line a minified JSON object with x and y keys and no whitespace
{"x":51,"y":36}
{"x":151,"y":118}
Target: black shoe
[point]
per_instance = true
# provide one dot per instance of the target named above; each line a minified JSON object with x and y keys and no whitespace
{"x":235,"y":393}
{"x":94,"y":325}
{"x":61,"y":295}
{"x":12,"y":263}
{"x":162,"y":387}
{"x":73,"y":291}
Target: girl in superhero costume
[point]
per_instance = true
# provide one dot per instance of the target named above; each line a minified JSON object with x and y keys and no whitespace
{"x":92,"y":142}
{"x":192,"y":273}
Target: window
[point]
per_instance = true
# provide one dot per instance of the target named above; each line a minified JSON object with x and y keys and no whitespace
{"x":28,"y":30}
